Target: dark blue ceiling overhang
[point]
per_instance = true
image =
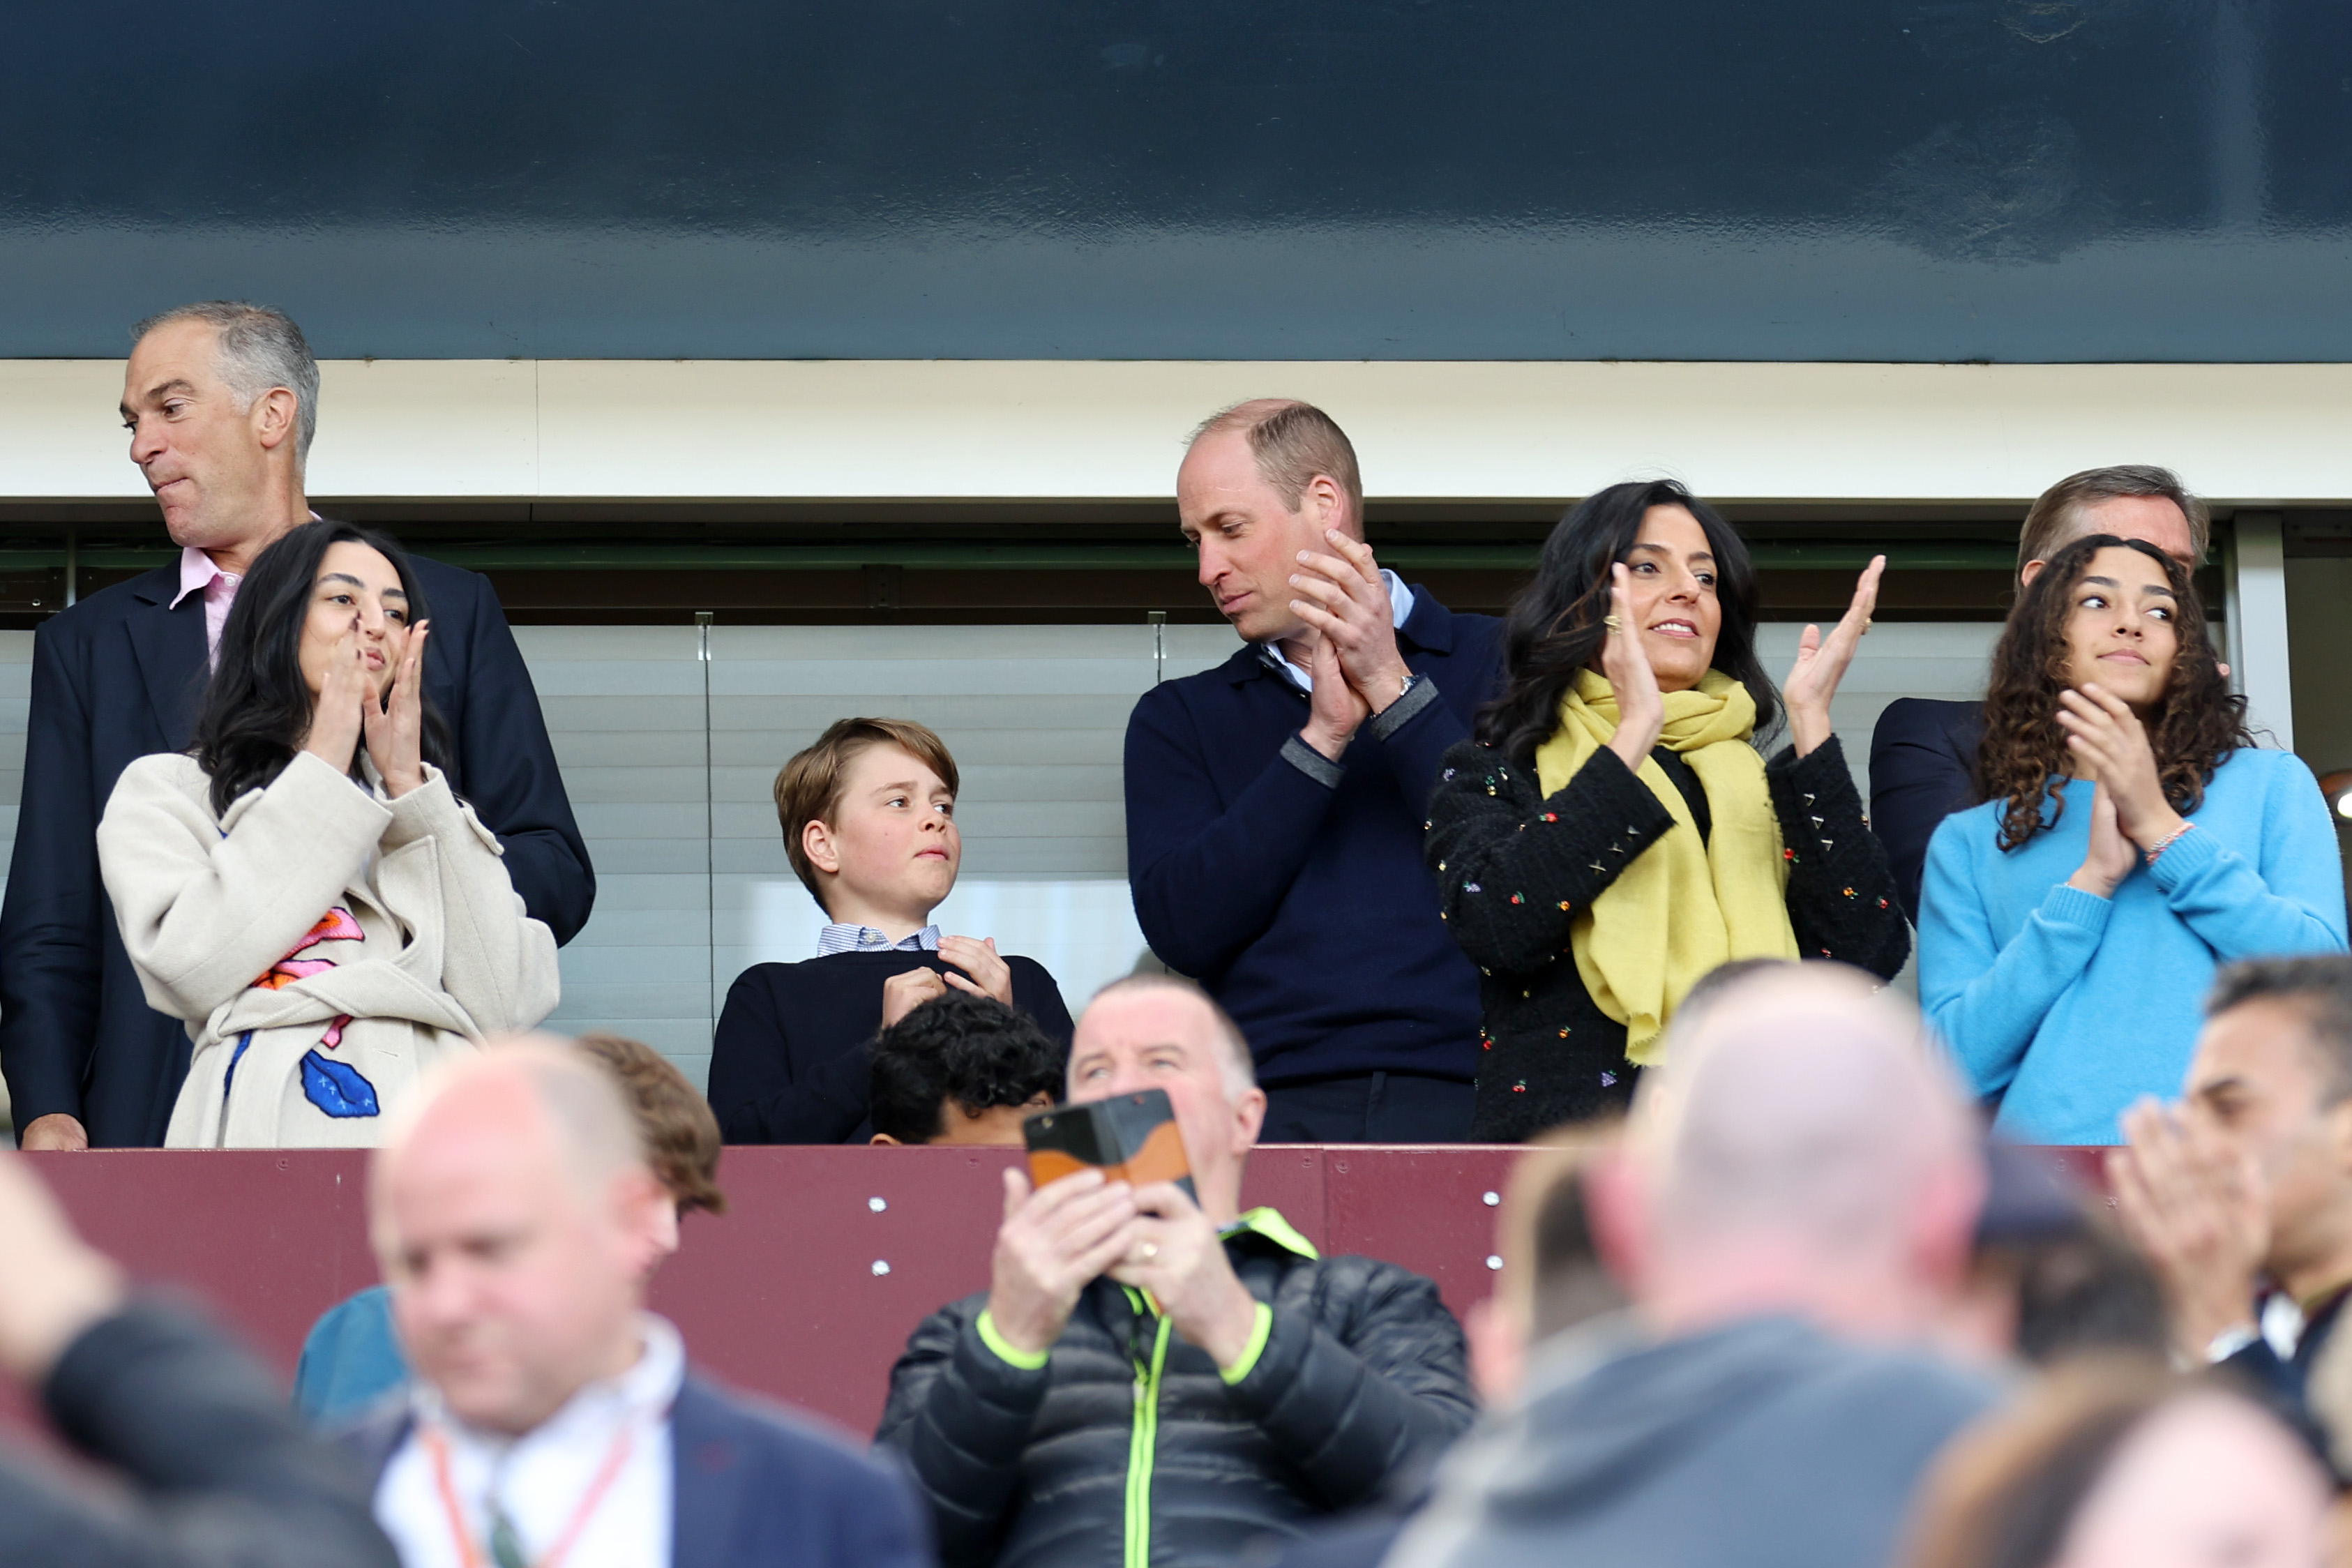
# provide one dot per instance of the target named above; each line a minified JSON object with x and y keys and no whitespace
{"x":1942,"y":180}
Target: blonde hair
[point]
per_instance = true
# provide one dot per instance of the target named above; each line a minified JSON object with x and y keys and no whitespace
{"x":808,"y":789}
{"x":1294,"y":443}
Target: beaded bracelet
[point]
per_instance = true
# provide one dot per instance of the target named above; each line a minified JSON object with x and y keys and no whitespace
{"x":2169,"y":840}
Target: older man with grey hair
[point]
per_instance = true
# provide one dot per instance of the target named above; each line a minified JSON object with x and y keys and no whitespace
{"x":1792,"y":1210}
{"x":517,"y":1221}
{"x":221,"y":400}
{"x":1152,"y":1379}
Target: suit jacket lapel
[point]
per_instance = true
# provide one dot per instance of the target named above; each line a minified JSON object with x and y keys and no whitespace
{"x":706,"y":1481}
{"x":169,"y":647}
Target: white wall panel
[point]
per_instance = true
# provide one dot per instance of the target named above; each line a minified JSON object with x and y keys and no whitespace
{"x":624,"y":707}
{"x":1095,"y":429}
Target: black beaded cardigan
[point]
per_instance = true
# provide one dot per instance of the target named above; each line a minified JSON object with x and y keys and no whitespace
{"x":1512,"y":867}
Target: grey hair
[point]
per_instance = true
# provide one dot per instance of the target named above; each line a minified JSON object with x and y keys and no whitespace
{"x":261,"y":349}
{"x":1239,"y":1068}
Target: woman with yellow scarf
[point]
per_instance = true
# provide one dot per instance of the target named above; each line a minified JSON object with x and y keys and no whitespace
{"x":1612,"y":833}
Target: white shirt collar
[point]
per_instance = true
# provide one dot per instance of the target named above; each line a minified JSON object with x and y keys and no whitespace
{"x":598,"y":1472}
{"x":648,"y":1388}
{"x":1400,"y":612}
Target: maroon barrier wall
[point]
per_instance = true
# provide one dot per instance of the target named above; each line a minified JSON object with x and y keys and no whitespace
{"x":806,"y":1289}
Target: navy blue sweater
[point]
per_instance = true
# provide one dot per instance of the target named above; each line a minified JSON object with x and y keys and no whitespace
{"x":1293,"y":889}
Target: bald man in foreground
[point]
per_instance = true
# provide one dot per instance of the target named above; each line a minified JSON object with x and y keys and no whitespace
{"x":1792,"y":1211}
{"x":1149,"y":1380}
{"x":553,"y":1419}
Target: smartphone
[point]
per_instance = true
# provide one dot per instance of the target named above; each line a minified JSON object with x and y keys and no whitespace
{"x":1129,"y":1138}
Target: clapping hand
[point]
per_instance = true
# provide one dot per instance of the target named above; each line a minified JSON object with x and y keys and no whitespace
{"x":1821,"y":663}
{"x":54,"y":1286}
{"x":1336,"y":708}
{"x":395,"y":726}
{"x":336,"y":718}
{"x":1625,"y":664}
{"x":2110,"y":740}
{"x":2197,"y":1210}
{"x":1343,"y":598}
{"x":2109,"y":858}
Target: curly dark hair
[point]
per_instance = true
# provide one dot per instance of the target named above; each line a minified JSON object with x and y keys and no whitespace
{"x":1554,"y":630}
{"x":257,"y":707}
{"x":2192,"y":729}
{"x":973,"y":1050}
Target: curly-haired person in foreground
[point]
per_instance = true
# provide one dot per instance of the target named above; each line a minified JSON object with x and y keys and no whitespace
{"x":962,"y":1069}
{"x":2131,"y":839}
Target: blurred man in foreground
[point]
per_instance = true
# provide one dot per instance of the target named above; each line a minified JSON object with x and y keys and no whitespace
{"x":1552,"y":1281}
{"x":517,"y":1219}
{"x":1153,"y":1381}
{"x":2248,"y":1181}
{"x":217,"y":1469}
{"x":1791,"y":1214}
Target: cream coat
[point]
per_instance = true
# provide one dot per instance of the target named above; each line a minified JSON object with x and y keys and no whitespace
{"x":311,"y":901}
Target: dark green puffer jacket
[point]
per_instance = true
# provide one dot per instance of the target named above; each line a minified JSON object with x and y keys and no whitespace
{"x":1128,"y":1449}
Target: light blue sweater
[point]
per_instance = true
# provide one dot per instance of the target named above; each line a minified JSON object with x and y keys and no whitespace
{"x":2071,"y":1006}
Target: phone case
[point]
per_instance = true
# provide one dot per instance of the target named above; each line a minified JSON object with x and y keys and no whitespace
{"x":1130,"y":1137}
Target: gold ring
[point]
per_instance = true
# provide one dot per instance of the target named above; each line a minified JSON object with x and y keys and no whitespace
{"x":1613,"y":623}
{"x":1866,"y":626}
{"x":1150,"y":1250}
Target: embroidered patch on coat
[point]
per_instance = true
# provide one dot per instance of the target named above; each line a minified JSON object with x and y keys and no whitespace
{"x":337,"y":1088}
{"x":335,"y":925}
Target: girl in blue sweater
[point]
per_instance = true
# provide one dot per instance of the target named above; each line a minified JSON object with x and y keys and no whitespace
{"x":2131,"y":840}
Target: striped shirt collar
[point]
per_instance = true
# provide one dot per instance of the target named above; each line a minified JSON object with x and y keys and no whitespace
{"x":840,"y":937}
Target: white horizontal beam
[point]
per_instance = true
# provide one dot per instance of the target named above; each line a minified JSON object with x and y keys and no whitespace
{"x":1110,"y":430}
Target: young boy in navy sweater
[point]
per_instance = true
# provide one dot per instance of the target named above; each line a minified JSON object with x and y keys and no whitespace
{"x":868,"y":817}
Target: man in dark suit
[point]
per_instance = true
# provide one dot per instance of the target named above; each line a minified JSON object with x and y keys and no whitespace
{"x":1923,"y":756}
{"x":516,"y":1222}
{"x":220,"y":401}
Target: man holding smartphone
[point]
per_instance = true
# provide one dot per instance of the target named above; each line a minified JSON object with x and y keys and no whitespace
{"x":1149,"y":1379}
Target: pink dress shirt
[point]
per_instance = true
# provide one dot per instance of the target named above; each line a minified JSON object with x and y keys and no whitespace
{"x":199,"y":575}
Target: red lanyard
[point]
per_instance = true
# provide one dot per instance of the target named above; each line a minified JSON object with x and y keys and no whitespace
{"x":615,"y":1458}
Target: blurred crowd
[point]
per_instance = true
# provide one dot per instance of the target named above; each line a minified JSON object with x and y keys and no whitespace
{"x":1783,"y":1278}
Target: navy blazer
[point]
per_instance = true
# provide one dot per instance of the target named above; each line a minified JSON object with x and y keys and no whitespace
{"x":1922,"y":764}
{"x":754,"y":1489}
{"x":120,"y":676}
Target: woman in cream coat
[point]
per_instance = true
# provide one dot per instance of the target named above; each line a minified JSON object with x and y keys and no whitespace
{"x":302,"y":887}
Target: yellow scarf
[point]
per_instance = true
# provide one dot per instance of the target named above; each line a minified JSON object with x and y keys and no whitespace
{"x":1679,"y":909}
